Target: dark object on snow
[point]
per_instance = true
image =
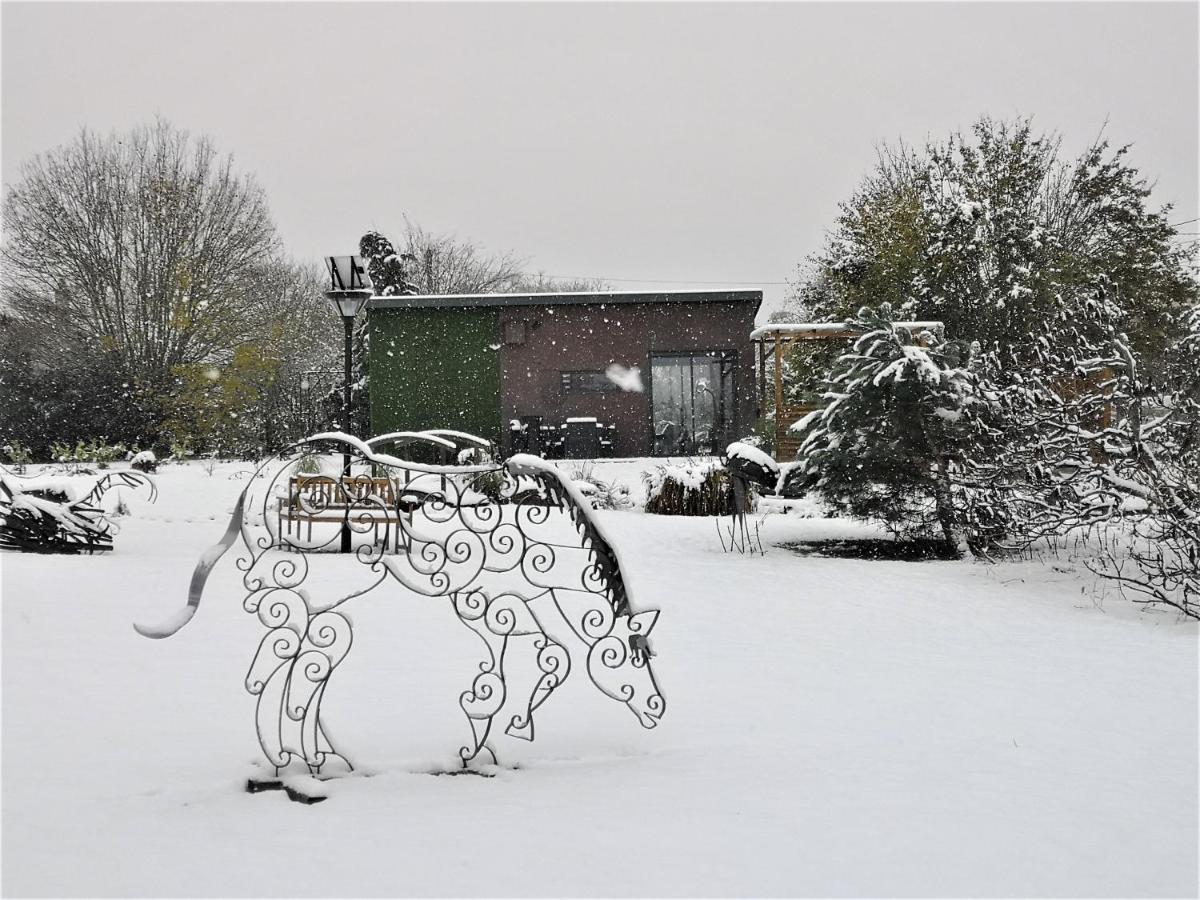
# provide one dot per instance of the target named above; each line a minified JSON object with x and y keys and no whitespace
{"x":914,"y":550}
{"x":46,"y":521}
{"x":747,"y":467}
{"x":752,"y":471}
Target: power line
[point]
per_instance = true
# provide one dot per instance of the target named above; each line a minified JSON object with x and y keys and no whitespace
{"x":1185,"y":222}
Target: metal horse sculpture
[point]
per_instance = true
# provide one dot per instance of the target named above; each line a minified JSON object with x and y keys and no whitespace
{"x":512,"y":547}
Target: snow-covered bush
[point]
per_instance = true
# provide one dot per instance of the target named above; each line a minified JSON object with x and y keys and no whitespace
{"x":209,"y":464}
{"x":181,"y":451}
{"x":95,"y":451}
{"x":18,"y":454}
{"x":603,"y":494}
{"x":1159,"y":562}
{"x":144,"y":461}
{"x":892,"y":429}
{"x":694,"y":489}
{"x":309,"y":464}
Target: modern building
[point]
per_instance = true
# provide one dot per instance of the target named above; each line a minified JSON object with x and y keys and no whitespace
{"x":484,"y":363}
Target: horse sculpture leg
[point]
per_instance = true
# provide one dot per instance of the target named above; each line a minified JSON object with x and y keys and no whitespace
{"x":325,"y":645}
{"x":554,"y":664}
{"x":289,"y":673}
{"x":495,"y":621}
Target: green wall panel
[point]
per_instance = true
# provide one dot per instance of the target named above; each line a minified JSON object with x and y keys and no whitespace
{"x":435,"y":368}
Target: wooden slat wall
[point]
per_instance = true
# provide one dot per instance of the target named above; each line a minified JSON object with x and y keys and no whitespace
{"x":787,"y":443}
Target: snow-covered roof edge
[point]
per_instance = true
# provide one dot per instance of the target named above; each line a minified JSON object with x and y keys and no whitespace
{"x":831,"y":328}
{"x":553,"y":298}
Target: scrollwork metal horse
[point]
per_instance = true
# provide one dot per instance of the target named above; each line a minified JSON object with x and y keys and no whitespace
{"x":512,"y":547}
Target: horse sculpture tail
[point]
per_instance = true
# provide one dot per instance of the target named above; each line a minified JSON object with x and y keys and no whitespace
{"x":199,"y":577}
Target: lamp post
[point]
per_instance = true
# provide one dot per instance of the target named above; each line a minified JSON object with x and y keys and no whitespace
{"x":348,"y":292}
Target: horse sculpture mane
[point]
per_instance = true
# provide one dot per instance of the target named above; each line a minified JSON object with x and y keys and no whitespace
{"x":511,"y":546}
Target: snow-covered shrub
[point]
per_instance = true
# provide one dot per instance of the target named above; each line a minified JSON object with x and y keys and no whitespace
{"x":62,"y":453}
{"x":209,"y":464}
{"x":99,"y":452}
{"x":144,"y":461}
{"x":603,"y":494}
{"x":694,"y":489}
{"x":121,"y":509}
{"x":181,"y":451}
{"x":18,"y":454}
{"x":1159,"y":561}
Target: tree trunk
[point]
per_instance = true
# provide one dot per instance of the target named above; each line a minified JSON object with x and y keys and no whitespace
{"x":943,"y":503}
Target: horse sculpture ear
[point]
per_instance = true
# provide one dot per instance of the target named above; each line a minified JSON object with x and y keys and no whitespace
{"x":642,"y":622}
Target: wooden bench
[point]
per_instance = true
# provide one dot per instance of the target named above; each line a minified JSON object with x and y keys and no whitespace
{"x":323,"y":498}
{"x":382,"y":501}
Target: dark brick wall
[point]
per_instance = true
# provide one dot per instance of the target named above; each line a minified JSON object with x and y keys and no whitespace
{"x":574,"y":338}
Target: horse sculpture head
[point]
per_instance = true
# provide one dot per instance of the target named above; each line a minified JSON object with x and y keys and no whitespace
{"x":619,"y":665}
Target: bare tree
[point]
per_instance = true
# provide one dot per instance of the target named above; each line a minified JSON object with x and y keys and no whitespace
{"x":541,"y":283}
{"x":445,"y":264}
{"x":147,"y":246}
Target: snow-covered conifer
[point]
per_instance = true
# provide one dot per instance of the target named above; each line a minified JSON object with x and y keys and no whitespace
{"x":895,"y":423}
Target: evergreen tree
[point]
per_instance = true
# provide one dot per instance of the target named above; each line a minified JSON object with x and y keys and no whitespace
{"x":893,"y":429}
{"x":390,"y":277}
{"x":388,"y":270}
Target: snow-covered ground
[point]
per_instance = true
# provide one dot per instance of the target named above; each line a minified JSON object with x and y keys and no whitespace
{"x":834,"y":727}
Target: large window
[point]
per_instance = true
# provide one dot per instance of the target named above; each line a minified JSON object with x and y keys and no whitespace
{"x":692,"y":402}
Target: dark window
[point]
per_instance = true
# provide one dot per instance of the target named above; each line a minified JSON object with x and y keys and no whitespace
{"x":514,"y":332}
{"x":586,"y":383}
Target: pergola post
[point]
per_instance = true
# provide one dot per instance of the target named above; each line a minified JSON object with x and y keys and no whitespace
{"x":762,"y":376}
{"x":778,"y":390}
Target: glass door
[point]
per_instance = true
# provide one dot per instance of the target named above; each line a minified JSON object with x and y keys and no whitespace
{"x":692,"y":402}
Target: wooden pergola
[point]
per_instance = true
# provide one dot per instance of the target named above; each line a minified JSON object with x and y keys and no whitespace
{"x":783,"y":334}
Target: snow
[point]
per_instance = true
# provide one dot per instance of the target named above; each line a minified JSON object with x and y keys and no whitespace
{"x":740,"y":450}
{"x":834,"y":727}
{"x":58,"y":484}
{"x":627,"y":379}
{"x":691,"y":474}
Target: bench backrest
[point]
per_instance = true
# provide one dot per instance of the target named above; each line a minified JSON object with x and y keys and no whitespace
{"x":325,"y":491}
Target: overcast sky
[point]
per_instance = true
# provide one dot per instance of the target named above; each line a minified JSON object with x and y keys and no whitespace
{"x":698,"y":143}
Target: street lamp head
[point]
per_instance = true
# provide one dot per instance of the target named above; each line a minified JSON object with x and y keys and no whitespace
{"x":348,"y":303}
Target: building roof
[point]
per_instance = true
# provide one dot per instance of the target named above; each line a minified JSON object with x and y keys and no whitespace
{"x":570,"y":298}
